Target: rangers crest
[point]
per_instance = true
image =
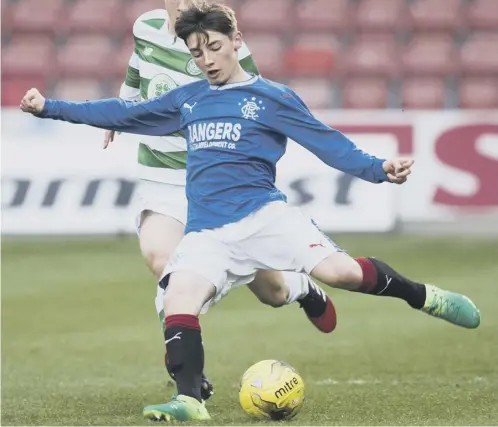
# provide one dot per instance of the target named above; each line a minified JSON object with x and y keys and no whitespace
{"x":251,"y":107}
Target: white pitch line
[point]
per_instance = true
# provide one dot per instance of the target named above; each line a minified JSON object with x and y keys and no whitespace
{"x":428,"y":380}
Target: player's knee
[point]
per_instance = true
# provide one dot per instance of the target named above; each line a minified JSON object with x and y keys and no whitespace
{"x":155,"y":259}
{"x":186,"y":293}
{"x":178,"y":300}
{"x":339,"y":270}
{"x":348,"y":274}
{"x":344,"y":276}
{"x":276,"y":298}
{"x":270,"y":288}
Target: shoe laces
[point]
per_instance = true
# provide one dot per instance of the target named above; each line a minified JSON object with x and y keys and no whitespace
{"x":441,"y":305}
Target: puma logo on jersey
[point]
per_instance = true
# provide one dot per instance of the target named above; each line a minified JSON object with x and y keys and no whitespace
{"x":190,"y":107}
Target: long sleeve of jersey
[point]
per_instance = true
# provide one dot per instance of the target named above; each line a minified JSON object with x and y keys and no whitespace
{"x":331,"y":146}
{"x":130,"y":89}
{"x":156,"y":117}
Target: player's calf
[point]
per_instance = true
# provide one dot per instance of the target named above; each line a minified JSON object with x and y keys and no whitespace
{"x":183,"y":299}
{"x":369,"y":276}
{"x":185,"y":353}
{"x":374,"y":277}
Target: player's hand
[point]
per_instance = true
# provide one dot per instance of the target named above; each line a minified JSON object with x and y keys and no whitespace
{"x":33,"y":102}
{"x":397,"y":170}
{"x":109,"y":137}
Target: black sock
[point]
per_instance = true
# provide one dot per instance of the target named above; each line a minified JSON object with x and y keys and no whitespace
{"x":380,"y":279}
{"x":185,"y":353}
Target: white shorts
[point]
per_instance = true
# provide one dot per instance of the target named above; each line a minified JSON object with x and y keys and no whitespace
{"x":276,"y":237}
{"x":167,"y":199}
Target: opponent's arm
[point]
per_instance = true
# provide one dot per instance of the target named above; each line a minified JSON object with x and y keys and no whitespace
{"x":129,"y":91}
{"x":156,"y":117}
{"x":332,"y":147}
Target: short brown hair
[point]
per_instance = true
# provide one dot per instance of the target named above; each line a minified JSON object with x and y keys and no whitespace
{"x":203,"y":17}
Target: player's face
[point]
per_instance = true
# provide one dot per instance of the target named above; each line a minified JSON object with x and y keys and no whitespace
{"x":215,"y":55}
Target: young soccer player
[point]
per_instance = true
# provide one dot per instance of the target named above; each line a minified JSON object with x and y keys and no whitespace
{"x":161,"y":62}
{"x":236,"y":127}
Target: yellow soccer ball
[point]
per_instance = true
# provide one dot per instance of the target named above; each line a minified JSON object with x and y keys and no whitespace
{"x":271,"y":389}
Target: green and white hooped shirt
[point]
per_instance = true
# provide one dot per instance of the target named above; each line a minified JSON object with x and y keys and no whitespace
{"x":161,"y":62}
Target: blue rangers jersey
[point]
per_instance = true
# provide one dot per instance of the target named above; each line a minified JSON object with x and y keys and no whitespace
{"x":236,"y":133}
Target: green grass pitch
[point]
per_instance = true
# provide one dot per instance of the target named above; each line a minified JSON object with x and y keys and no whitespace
{"x":81,"y":344}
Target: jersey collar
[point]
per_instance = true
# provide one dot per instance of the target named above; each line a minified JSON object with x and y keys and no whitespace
{"x":248,"y":82}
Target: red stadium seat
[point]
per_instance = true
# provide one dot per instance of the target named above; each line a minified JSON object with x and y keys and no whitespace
{"x":371,"y":54}
{"x":28,"y":55}
{"x":90,"y":16}
{"x":86,"y":56}
{"x":482,"y":14}
{"x":430,"y":54}
{"x":266,"y":15}
{"x":138,"y":7}
{"x":479,"y":54}
{"x":78,"y":90}
{"x":423,"y":93}
{"x":267,"y":50}
{"x":316,"y":93}
{"x":435,"y":14}
{"x":122,"y":57}
{"x":37,"y":16}
{"x":365,"y":93}
{"x":323,"y":15}
{"x":14,"y":88}
{"x":311,"y":55}
{"x":479,"y":93}
{"x":383,"y":15}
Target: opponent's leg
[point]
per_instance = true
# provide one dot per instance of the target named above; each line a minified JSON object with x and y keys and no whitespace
{"x":159,"y":236}
{"x":372,"y":276}
{"x":278,"y":288}
{"x":184,"y":297}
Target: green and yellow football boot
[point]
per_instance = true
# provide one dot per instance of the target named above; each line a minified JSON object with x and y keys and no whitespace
{"x":179,"y":408}
{"x":452,"y":307}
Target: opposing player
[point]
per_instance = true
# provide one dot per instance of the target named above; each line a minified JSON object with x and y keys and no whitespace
{"x":161,"y":61}
{"x":238,"y":221}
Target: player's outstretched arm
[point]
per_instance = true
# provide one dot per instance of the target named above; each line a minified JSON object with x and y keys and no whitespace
{"x":296,"y":121}
{"x":156,"y":117}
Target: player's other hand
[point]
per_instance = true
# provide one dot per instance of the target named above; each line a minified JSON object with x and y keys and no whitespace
{"x":109,"y":137}
{"x":397,"y":170}
{"x":33,"y":102}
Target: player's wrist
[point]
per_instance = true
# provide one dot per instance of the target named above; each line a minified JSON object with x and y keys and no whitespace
{"x":380,"y":170}
{"x":47,"y":108}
